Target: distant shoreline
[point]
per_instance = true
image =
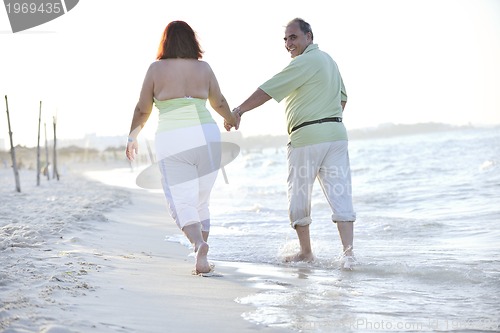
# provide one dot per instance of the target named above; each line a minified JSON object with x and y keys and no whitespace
{"x":111,"y":147}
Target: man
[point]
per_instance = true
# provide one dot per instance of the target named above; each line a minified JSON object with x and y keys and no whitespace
{"x":315,"y":99}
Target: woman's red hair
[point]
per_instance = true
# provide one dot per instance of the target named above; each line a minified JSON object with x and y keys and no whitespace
{"x":179,"y":41}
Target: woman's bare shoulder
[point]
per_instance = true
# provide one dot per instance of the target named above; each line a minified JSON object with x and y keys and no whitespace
{"x":154,"y":66}
{"x":205,"y":65}
{"x":157,"y":63}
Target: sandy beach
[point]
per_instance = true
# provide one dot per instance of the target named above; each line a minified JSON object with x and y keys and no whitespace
{"x":81,"y":256}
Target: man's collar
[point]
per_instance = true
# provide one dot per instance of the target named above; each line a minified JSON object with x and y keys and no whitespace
{"x":310,"y":47}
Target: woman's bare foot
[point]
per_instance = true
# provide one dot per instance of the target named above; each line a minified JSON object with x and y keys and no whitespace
{"x":202,"y":265}
{"x":300,"y":257}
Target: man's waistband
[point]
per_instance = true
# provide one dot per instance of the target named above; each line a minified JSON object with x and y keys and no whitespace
{"x":318,"y":121}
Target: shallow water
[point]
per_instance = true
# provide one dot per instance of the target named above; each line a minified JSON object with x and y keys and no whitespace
{"x":426,"y":238}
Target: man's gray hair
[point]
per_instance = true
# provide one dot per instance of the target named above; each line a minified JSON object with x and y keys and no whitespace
{"x":304,"y":26}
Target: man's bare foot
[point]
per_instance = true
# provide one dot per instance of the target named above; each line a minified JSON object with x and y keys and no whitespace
{"x":300,"y":257}
{"x":202,"y":265}
{"x":348,"y":251}
{"x":347,"y":263}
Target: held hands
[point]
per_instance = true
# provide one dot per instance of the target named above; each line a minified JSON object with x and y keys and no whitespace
{"x":132,"y":148}
{"x":235,"y":121}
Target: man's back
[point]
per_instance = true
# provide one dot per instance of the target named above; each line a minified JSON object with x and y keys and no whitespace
{"x":312,"y":88}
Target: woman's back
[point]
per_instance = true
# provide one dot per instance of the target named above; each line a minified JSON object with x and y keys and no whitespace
{"x":177,"y":78}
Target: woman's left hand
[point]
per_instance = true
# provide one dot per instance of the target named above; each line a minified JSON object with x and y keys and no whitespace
{"x":235,"y":123}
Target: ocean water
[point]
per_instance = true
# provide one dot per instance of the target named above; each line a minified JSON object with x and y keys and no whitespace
{"x":427,"y":238}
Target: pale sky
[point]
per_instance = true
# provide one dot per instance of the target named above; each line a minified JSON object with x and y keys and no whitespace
{"x":402,"y":61}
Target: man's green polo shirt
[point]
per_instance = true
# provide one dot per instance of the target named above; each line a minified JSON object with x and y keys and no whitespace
{"x":313,"y":89}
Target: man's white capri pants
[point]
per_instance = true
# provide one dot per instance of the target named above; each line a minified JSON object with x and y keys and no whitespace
{"x":329,"y":162}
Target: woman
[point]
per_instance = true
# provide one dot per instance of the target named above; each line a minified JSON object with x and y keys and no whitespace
{"x":187,"y":139}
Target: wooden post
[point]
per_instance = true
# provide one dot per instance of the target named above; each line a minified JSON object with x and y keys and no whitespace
{"x":46,"y":152}
{"x":12,"y":150}
{"x":38,"y":147}
{"x":54,"y":158}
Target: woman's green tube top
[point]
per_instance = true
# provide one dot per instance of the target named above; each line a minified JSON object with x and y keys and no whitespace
{"x":182,"y":112}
